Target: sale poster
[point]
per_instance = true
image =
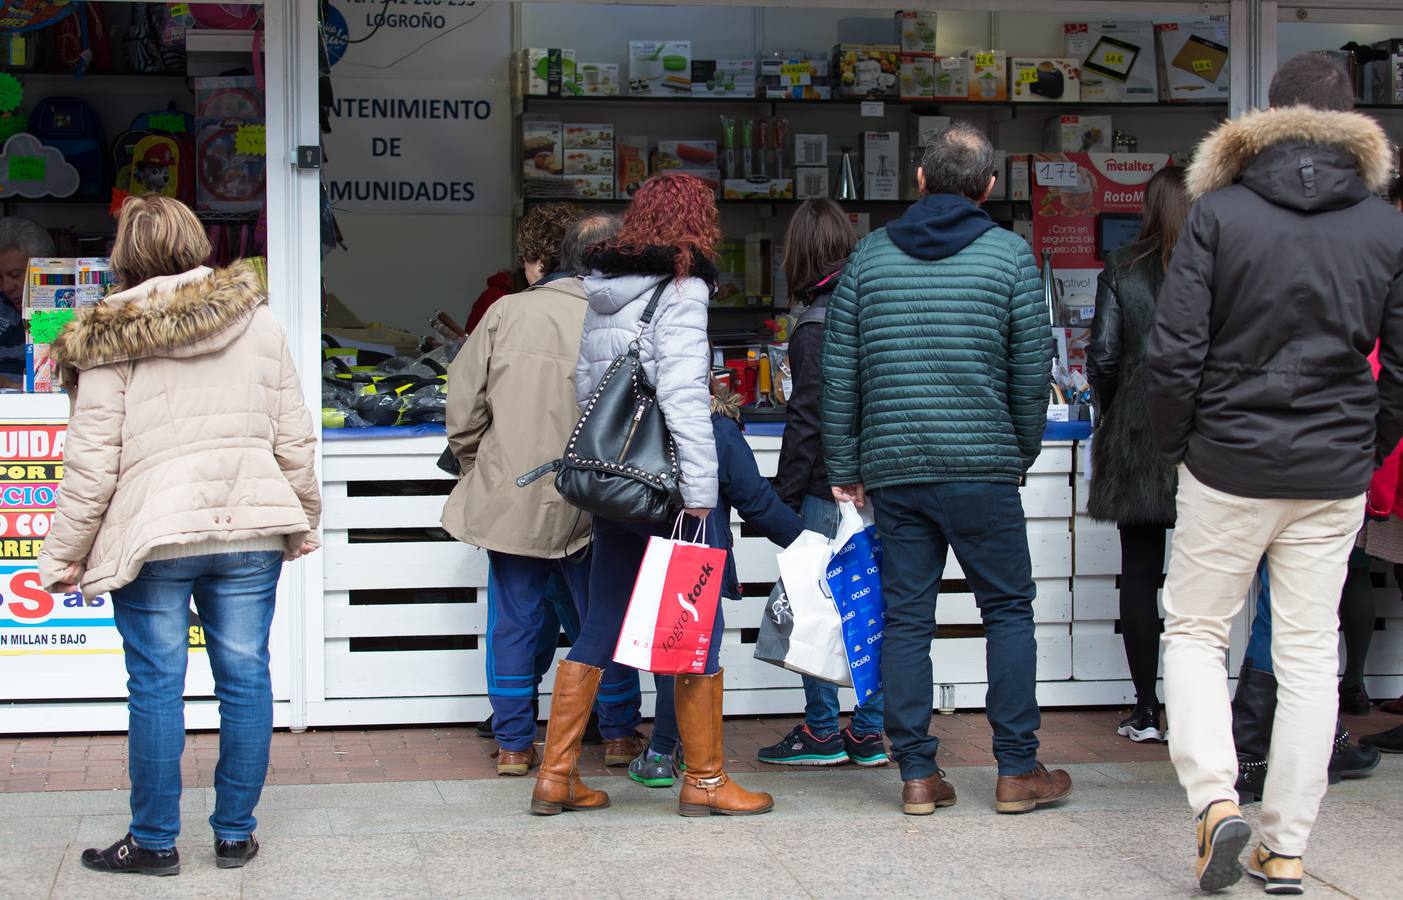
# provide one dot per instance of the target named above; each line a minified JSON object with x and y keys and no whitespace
{"x":1070,"y":191}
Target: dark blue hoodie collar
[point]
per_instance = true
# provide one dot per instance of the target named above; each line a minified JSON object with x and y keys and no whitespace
{"x":938,"y":226}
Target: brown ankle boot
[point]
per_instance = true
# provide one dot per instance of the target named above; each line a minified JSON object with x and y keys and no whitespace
{"x":706,"y":788}
{"x":558,"y":784}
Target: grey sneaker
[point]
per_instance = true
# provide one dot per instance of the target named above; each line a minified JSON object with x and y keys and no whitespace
{"x":654,"y":770}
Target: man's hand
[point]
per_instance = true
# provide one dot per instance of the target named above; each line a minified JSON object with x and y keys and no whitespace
{"x":855,"y":494}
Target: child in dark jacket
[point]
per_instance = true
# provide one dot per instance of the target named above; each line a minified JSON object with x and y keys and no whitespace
{"x":745,"y":489}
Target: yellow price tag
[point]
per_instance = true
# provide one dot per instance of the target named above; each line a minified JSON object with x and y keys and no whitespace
{"x":19,"y":51}
{"x":1115,"y":59}
{"x":250,"y":140}
{"x":984,"y":59}
{"x":180,"y":10}
{"x":1202,"y":65}
{"x":796,"y":69}
{"x":1027,"y":76}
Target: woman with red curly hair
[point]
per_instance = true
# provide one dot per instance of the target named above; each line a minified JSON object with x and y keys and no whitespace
{"x":669,"y":234}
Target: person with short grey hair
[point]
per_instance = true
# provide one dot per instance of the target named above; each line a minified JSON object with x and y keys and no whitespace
{"x":595,"y":228}
{"x":20,"y":241}
{"x":936,"y":369}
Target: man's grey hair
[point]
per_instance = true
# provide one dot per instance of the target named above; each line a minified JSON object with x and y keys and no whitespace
{"x":21,"y":234}
{"x":959,"y":160}
{"x":1313,"y":80}
{"x":595,"y":228}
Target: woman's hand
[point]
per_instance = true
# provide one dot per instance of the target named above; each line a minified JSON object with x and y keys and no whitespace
{"x":699,"y":513}
{"x":72,"y":575}
{"x":306,"y":549}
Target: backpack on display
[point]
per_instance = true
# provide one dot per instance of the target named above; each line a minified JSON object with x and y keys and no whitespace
{"x":157,"y":155}
{"x":226,"y":16}
{"x":143,"y":39}
{"x":82,"y":41}
{"x":73,"y":128}
{"x":171,"y":21}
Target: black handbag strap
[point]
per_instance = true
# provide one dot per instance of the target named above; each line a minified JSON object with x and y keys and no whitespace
{"x":647,"y":318}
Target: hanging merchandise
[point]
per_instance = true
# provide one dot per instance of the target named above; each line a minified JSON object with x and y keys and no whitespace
{"x":82,"y":40}
{"x":157,"y":155}
{"x":29,"y":15}
{"x":173,"y":20}
{"x":236,"y":97}
{"x":143,"y":39}
{"x":225,"y":16}
{"x":227,"y":180}
{"x":73,"y":128}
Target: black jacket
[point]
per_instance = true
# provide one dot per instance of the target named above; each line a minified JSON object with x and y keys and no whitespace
{"x":743,"y":487}
{"x":1287,"y":273}
{"x":802,"y":471}
{"x":1130,"y":483}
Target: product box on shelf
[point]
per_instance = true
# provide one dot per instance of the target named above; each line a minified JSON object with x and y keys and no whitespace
{"x":810,"y":183}
{"x":881,"y":165}
{"x":589,"y":136}
{"x":589,"y":162}
{"x":227,"y":180}
{"x":548,"y":72}
{"x":724,"y":77}
{"x":811,"y":150}
{"x":51,"y":283}
{"x":542,"y":147}
{"x":689,"y":154}
{"x":730,"y":283}
{"x":1024,"y":229}
{"x":758,"y":189}
{"x":868,"y":70}
{"x":95,"y":280}
{"x":1117,"y":60}
{"x":917,"y":77}
{"x":988,"y":75}
{"x":41,"y":374}
{"x":1000,"y":189}
{"x":1193,"y":59}
{"x":1044,"y":79}
{"x":630,"y":163}
{"x":916,"y":30}
{"x":759,"y":267}
{"x":951,"y":77}
{"x":925,"y":128}
{"x":1078,"y":134}
{"x":592,"y":187}
{"x":861,"y":222}
{"x":599,"y":79}
{"x":1382,"y":80}
{"x":1019,"y":188}
{"x":660,"y":68}
{"x":796,"y":79}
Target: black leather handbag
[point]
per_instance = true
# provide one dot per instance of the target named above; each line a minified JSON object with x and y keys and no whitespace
{"x":621,"y":461}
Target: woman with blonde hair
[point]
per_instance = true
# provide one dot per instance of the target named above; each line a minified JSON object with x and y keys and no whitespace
{"x":188,"y":473}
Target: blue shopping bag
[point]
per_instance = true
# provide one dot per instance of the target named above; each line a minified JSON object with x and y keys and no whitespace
{"x":855,"y":580}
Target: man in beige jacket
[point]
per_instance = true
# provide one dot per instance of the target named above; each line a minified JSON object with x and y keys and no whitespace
{"x":511,"y":406}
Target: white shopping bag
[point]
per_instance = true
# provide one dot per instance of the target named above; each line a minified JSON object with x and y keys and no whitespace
{"x":672,"y":611}
{"x":815,"y":645}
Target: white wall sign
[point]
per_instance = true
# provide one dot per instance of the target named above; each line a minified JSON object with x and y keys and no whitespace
{"x":455,"y":39}
{"x":420,"y":147}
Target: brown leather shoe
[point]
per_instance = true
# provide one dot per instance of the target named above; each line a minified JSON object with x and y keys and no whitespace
{"x":515,"y":762}
{"x":622,"y":751}
{"x":923,"y":796}
{"x":1023,"y":793}
{"x":706,"y":788}
{"x":558,"y":784}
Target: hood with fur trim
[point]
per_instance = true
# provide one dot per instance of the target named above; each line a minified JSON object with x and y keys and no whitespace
{"x":194,"y":314}
{"x":1295,"y":156}
{"x":612,"y":261}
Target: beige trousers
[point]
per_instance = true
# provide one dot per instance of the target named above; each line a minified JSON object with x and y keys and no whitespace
{"x":1218,"y":540}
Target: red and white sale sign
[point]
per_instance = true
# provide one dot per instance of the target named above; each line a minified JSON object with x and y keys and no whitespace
{"x":672,"y":611}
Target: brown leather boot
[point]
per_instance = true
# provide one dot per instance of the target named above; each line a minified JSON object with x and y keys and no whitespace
{"x":558,"y":784}
{"x":706,"y":788}
{"x":922,"y":796}
{"x":1023,"y":793}
{"x":621,"y":751}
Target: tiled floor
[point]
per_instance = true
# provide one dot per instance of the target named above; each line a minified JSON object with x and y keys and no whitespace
{"x":98,"y":762}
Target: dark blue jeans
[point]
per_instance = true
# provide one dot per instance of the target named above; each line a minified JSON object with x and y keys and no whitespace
{"x":983,"y":523}
{"x":234,"y":595}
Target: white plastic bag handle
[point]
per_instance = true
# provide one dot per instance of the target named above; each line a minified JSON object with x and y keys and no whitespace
{"x":677,"y":531}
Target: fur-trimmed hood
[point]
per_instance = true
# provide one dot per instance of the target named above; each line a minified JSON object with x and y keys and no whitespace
{"x":192,"y":314}
{"x":1245,"y":143}
{"x":611,"y":261}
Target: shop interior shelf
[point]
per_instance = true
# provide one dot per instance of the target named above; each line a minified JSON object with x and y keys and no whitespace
{"x":779,"y":201}
{"x":673,"y":102}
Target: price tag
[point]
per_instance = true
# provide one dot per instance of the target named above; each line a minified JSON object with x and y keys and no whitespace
{"x":984,"y":59}
{"x":796,"y":69}
{"x":952,"y":63}
{"x":1027,"y":76}
{"x":45,"y":325}
{"x":1056,"y":174}
{"x":250,"y":140}
{"x":170,"y":123}
{"x":1202,"y":65}
{"x":873,"y":109}
{"x":27,"y":168}
{"x":11,"y":92}
{"x":19,"y":51}
{"x":180,"y":10}
{"x":1115,"y":59}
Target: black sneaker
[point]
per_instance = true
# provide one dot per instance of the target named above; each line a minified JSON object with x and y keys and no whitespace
{"x":484,"y":729}
{"x":126,"y":856}
{"x":1143,"y":725}
{"x":865,"y":750}
{"x":234,"y":854}
{"x":801,"y":747}
{"x":1351,"y":760}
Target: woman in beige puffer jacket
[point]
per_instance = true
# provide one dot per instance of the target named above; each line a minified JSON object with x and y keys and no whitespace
{"x":189,"y":472}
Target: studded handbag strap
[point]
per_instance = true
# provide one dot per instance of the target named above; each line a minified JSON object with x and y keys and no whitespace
{"x":649,"y":310}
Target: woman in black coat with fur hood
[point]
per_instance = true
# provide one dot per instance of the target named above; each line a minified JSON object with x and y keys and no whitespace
{"x":1131,"y":484}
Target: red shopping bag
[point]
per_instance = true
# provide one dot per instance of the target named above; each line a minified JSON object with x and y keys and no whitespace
{"x":672,"y":611}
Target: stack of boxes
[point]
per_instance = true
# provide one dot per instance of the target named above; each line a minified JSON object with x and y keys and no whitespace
{"x":590,"y":160}
{"x":54,"y":289}
{"x":918,"y":61}
{"x":784,"y":77}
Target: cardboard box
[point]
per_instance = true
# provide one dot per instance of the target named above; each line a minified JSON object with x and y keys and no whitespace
{"x":630,"y":163}
{"x":925,"y":128}
{"x":1078,"y":134}
{"x":759,"y":261}
{"x":542,"y":146}
{"x":811,"y":150}
{"x":730,"y":284}
{"x":1044,"y":79}
{"x":1382,"y":80}
{"x":758,"y":189}
{"x":1193,"y":59}
{"x":1024,"y":229}
{"x":549,"y":72}
{"x":1117,"y":60}
{"x":589,"y":162}
{"x":1020,"y":189}
{"x":916,"y":30}
{"x":808,"y":92}
{"x":593,"y":187}
{"x":660,"y":68}
{"x":951,"y":77}
{"x":95,"y":280}
{"x":810,"y":183}
{"x":917,"y":77}
{"x":51,"y":283}
{"x":868,"y":70}
{"x":988,"y":75}
{"x":881,"y":165}
{"x":589,"y":136}
{"x":599,"y":79}
{"x":41,"y":375}
{"x":1000,"y":191}
{"x":724,"y":77}
{"x":861,"y":222}
{"x":673,"y":155}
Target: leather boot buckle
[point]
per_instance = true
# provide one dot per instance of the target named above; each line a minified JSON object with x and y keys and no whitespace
{"x":710,"y":783}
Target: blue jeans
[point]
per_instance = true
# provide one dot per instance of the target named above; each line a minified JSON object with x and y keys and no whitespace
{"x":821,"y":697}
{"x":1258,"y":655}
{"x":983,"y":524}
{"x":234,"y":594}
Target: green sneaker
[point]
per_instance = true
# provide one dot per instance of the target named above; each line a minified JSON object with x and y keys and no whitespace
{"x":654,"y":770}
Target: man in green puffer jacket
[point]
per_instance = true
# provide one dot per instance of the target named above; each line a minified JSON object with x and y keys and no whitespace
{"x":936,"y":369}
